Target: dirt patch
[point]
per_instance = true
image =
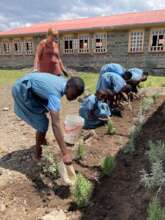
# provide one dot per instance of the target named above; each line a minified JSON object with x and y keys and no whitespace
{"x":29,"y":194}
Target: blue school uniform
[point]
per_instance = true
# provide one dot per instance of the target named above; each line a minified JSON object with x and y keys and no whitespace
{"x":34,"y":95}
{"x":91,"y":110}
{"x":136,"y":74}
{"x":111,"y":81}
{"x":113,"y":67}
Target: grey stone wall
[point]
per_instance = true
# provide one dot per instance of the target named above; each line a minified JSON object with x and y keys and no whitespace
{"x":117,"y":53}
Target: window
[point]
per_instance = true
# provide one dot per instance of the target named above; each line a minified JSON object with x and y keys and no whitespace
{"x":83,"y":44}
{"x":100,"y":43}
{"x":68,"y":44}
{"x":5,"y":47}
{"x":136,"y":41}
{"x":17,"y":47}
{"x":28,"y":47}
{"x":157,"y":42}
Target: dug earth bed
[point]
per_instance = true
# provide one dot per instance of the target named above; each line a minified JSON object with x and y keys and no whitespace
{"x":26,"y":193}
{"x":121,"y":196}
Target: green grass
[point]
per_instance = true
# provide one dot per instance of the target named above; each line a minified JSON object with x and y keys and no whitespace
{"x":9,"y":76}
{"x":154,"y":81}
{"x":90,"y":80}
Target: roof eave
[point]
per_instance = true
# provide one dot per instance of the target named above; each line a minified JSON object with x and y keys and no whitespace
{"x":103,"y":28}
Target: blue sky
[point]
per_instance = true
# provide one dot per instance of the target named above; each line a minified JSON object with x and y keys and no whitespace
{"x":16,"y":13}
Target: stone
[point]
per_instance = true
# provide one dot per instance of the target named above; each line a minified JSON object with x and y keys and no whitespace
{"x":54,"y":215}
{"x":5,"y":109}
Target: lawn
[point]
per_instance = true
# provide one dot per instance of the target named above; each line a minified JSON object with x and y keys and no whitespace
{"x":153,"y":81}
{"x":9,"y":76}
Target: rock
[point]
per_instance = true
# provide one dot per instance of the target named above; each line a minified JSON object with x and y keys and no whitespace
{"x":5,"y":109}
{"x":54,"y":215}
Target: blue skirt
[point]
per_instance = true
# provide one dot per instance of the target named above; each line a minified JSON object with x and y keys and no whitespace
{"x":28,"y":106}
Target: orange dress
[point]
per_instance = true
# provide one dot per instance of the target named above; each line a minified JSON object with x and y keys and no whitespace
{"x":49,"y":58}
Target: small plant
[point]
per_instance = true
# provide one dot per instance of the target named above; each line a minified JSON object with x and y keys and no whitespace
{"x":155,"y":96}
{"x":156,"y":151}
{"x":140,"y":117}
{"x":110,"y":128}
{"x":155,"y":178}
{"x":130,"y":147}
{"x":108,"y":165}
{"x":81,"y":151}
{"x":50,"y":166}
{"x":82,"y":191}
{"x":146,"y":103}
{"x":155,"y":211}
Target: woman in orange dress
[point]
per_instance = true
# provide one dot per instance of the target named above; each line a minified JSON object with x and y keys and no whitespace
{"x":47,"y":58}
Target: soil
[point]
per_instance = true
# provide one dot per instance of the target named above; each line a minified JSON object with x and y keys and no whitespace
{"x":27,"y":194}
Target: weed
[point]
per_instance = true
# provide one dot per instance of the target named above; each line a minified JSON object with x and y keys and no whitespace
{"x":108,"y":165}
{"x":82,"y":191}
{"x":110,"y":128}
{"x":155,"y":211}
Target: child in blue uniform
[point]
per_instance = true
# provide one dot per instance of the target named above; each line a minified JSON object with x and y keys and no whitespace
{"x":115,"y":83}
{"x":94,"y":110}
{"x":138,"y":75}
{"x":116,"y":68}
{"x":38,"y":93}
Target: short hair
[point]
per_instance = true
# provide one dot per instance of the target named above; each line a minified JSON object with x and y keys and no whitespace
{"x":52,"y":32}
{"x":77,"y":83}
{"x":145,"y":73}
{"x":128,"y":74}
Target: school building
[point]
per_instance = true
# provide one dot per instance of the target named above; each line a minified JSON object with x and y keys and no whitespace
{"x":132,"y":39}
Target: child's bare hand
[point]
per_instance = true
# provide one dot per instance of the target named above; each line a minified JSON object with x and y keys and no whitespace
{"x":67,"y":159}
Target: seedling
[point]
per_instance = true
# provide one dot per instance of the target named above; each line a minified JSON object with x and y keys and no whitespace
{"x":50,"y":166}
{"x":81,"y":151}
{"x":82,"y":191}
{"x":108,"y":165}
{"x":130,"y":147}
{"x":156,"y":151}
{"x":155,"y":178}
{"x":155,"y":211}
{"x":155,"y":97}
{"x":111,"y":130}
{"x":146,"y":103}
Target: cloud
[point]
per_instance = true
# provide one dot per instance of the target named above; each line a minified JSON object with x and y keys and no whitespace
{"x":22,"y":13}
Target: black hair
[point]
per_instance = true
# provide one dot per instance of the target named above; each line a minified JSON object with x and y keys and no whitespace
{"x":128,"y":75}
{"x":145,"y":73}
{"x":77,"y":83}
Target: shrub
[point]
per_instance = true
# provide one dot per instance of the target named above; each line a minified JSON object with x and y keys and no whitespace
{"x":82,"y":191}
{"x":156,"y":151}
{"x":155,"y":211}
{"x":155,"y":178}
{"x":110,"y":128}
{"x":108,"y":165}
